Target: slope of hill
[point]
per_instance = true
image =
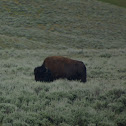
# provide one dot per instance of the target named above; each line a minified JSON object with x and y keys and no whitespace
{"x":87,"y":30}
{"x":121,"y":3}
{"x":89,"y":23}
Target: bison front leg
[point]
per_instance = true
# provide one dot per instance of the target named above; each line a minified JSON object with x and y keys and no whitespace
{"x":48,"y":76}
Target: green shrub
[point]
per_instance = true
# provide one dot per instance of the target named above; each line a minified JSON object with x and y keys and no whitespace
{"x":121,"y":120}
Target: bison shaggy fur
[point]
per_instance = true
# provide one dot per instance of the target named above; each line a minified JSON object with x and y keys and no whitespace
{"x":56,"y":67}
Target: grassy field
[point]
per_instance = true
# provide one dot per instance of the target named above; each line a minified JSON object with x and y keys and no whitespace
{"x":121,"y":3}
{"x":87,"y":30}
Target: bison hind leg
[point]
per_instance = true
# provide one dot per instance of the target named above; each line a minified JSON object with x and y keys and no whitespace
{"x":83,"y":77}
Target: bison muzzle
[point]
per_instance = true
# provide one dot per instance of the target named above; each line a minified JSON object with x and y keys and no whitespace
{"x":56,"y":67}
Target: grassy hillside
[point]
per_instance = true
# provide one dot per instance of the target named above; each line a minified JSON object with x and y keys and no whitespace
{"x":78,"y":24}
{"x":87,"y":30}
{"x":121,"y":3}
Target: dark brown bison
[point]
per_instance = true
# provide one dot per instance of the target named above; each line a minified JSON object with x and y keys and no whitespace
{"x":56,"y":67}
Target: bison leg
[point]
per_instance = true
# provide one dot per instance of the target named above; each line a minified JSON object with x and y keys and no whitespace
{"x":84,"y":77}
{"x":48,"y":76}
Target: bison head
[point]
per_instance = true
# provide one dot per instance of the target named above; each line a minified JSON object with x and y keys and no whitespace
{"x":42,"y":74}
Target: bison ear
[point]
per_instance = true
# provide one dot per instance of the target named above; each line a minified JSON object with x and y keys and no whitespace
{"x":43,"y":69}
{"x":46,"y":69}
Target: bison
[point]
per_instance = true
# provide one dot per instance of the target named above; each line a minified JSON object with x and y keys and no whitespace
{"x":56,"y":67}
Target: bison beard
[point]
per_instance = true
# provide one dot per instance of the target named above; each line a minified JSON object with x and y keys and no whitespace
{"x":56,"y":67}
